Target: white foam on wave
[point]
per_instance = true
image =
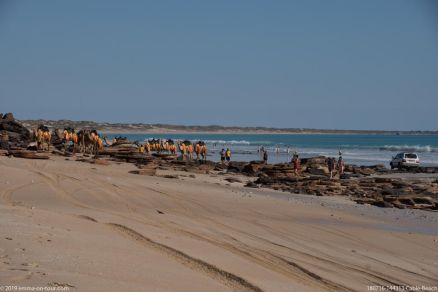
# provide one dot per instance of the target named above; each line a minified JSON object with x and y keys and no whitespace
{"x":412,"y":148}
{"x":232,"y":142}
{"x":226,"y":142}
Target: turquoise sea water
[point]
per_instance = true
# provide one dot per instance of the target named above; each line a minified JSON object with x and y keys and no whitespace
{"x":357,"y":149}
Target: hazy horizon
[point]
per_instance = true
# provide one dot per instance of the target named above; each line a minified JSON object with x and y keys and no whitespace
{"x":348,"y":65}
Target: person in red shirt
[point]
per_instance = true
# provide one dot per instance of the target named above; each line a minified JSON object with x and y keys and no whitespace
{"x":296,"y":164}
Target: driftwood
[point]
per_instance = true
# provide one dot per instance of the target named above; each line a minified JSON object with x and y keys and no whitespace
{"x":27,"y":154}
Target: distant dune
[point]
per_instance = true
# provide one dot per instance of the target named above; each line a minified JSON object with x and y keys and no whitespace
{"x":167,"y":128}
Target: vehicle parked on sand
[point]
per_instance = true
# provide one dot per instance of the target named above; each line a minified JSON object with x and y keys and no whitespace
{"x":405,"y":160}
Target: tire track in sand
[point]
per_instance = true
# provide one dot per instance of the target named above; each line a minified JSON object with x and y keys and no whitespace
{"x":6,"y":195}
{"x":227,"y":278}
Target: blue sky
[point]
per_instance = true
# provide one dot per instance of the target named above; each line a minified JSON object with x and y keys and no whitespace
{"x":315,"y":64}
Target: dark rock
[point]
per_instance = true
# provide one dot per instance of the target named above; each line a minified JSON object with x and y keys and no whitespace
{"x":382,"y":204}
{"x":171,"y":176}
{"x":252,"y":168}
{"x":398,"y":205}
{"x":364,"y":170}
{"x":13,"y":133}
{"x":382,"y":180}
{"x":378,"y":167}
{"x":349,"y":175}
{"x":236,"y":166}
{"x":251,"y":184}
{"x":321,"y":160}
{"x":317,"y":171}
{"x":9,"y":117}
{"x":364,"y":201}
{"x":424,"y":200}
{"x":406,"y":201}
{"x":233,"y":179}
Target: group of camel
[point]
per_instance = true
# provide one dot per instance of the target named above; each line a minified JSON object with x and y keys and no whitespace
{"x":84,"y":141}
{"x":186,"y":148}
{"x":89,"y":141}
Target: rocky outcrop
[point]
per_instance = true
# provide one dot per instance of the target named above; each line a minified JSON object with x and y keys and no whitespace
{"x":381,"y":192}
{"x":13,"y":133}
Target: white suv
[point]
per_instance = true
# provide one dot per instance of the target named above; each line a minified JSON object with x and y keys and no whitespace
{"x":405,"y":160}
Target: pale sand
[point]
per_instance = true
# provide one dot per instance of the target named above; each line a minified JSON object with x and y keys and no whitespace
{"x":99,"y":228}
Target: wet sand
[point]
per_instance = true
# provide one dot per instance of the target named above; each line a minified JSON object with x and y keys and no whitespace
{"x":100,"y":228}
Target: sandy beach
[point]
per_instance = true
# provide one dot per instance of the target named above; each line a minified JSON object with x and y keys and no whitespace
{"x":99,"y":228}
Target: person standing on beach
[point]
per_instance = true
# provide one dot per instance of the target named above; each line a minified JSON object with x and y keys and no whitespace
{"x":331,"y":166}
{"x":228,"y":155}
{"x":265,"y":157}
{"x":341,"y":166}
{"x":222,"y":155}
{"x":296,"y":164}
{"x":141,"y":149}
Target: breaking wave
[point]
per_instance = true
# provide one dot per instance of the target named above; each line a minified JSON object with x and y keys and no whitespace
{"x":412,"y":148}
{"x":232,"y":142}
{"x":226,"y":142}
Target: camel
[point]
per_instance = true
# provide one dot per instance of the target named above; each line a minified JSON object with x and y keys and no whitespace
{"x":95,"y":138}
{"x":147,"y":147}
{"x":42,"y":135}
{"x":164,"y":145}
{"x":201,"y":149}
{"x":167,"y":145}
{"x":154,"y":145}
{"x":89,"y":140}
{"x":171,"y":146}
{"x":69,"y":135}
{"x":186,"y":149}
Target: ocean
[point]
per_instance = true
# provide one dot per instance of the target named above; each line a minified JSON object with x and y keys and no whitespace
{"x":355,"y":149}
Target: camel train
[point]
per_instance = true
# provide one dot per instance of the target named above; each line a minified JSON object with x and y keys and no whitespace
{"x":186,"y":148}
{"x":89,"y":141}
{"x":160,"y":145}
{"x":86,"y":141}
